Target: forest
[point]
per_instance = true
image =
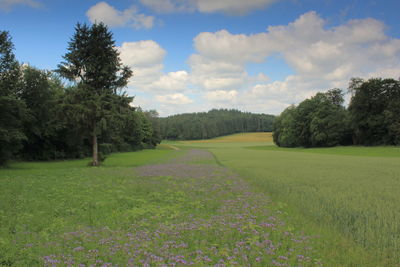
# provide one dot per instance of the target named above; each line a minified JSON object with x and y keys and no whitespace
{"x":76,"y":111}
{"x":371,"y":118}
{"x":216,"y":122}
{"x":80,"y":109}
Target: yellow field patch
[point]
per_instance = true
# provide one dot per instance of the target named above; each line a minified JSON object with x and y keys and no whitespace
{"x":167,"y":147}
{"x":241,"y":137}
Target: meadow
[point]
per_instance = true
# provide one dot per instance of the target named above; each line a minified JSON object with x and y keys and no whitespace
{"x":347,"y":195}
{"x":162,"y":207}
{"x":231,"y":201}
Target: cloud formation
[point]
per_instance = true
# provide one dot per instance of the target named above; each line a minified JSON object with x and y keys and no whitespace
{"x":173,"y":81}
{"x":320,"y":58}
{"x":103,"y":12}
{"x":146,"y":60}
{"x":174,"y":99}
{"x":231,"y":7}
{"x":7,"y":5}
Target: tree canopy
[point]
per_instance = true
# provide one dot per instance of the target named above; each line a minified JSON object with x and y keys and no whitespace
{"x":216,"y":122}
{"x":13,"y":111}
{"x":41,"y":118}
{"x":374,"y":111}
{"x":371,"y":118}
{"x":315,"y":122}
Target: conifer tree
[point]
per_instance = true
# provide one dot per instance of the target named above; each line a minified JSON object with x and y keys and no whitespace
{"x":93,"y":64}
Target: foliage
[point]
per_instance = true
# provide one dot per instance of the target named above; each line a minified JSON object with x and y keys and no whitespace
{"x":371,"y":118}
{"x":93,"y":63}
{"x":316,"y":122}
{"x":42,"y":92}
{"x":43,"y":119}
{"x":152,"y":117}
{"x":374,"y":111}
{"x":205,"y":125}
{"x":13,"y":111}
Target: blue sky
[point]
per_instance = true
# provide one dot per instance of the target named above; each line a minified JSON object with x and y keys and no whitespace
{"x":194,"y":55}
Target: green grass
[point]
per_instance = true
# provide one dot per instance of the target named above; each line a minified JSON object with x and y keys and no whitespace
{"x":65,"y":214}
{"x":385,"y":151}
{"x":39,"y":201}
{"x":348,"y":195}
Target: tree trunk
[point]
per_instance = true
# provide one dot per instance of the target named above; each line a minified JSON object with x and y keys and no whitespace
{"x":95,"y":161}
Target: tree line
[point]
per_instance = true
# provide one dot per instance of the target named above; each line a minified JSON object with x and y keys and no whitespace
{"x":372,"y":117}
{"x":75,"y":111}
{"x":216,"y":122}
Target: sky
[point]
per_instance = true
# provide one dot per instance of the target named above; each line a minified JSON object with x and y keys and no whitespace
{"x":194,"y":55}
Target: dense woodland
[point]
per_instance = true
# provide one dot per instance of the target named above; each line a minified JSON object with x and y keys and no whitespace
{"x":80,"y":109}
{"x":372,"y":117}
{"x":43,"y":117}
{"x":216,"y":122}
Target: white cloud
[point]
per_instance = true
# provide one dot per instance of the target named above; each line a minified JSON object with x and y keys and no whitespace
{"x":174,"y":99}
{"x":142,"y":54}
{"x":216,"y":83}
{"x":386,"y":73}
{"x":103,"y":12}
{"x":234,"y":48}
{"x":221,"y":96}
{"x":231,"y":7}
{"x":321,"y":58}
{"x":212,"y":74}
{"x":173,"y":81}
{"x":361,"y":31}
{"x":7,"y":5}
{"x":146,"y":60}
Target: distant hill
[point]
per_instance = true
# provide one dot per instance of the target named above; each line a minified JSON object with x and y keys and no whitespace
{"x":214,"y":123}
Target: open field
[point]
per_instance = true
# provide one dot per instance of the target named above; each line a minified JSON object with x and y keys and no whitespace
{"x":246,"y":203}
{"x":149,"y":208}
{"x":348,"y":191}
{"x":237,"y":138}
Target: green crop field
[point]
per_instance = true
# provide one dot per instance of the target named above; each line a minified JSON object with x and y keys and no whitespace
{"x":245,"y":203}
{"x":349,"y":195}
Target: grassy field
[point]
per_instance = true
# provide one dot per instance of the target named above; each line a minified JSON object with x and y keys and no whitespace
{"x":161,"y":207}
{"x":237,"y":138}
{"x":246,"y":203}
{"x":40,"y":202}
{"x":349,"y":195}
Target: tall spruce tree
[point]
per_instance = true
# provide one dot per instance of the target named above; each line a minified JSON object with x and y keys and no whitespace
{"x":93,"y":63}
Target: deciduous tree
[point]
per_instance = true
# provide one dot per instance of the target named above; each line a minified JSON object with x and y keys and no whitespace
{"x":13,"y":110}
